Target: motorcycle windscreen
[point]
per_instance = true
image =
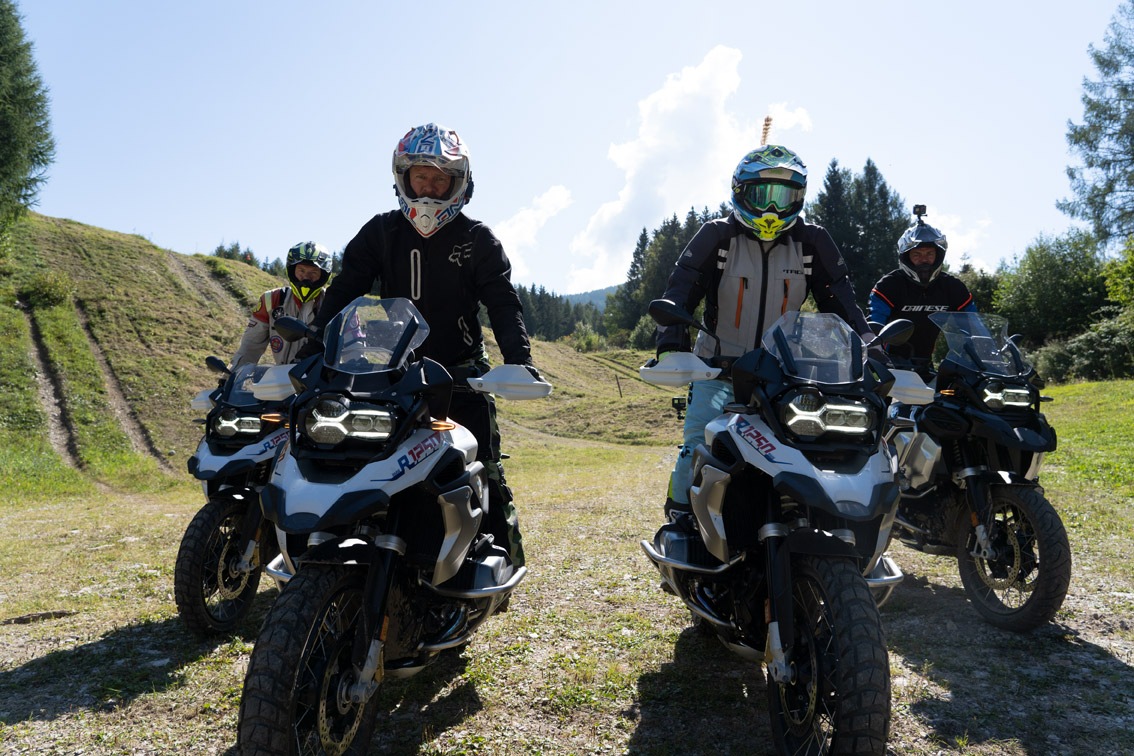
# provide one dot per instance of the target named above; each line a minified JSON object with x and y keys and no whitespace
{"x":370,"y":335}
{"x":816,"y":347}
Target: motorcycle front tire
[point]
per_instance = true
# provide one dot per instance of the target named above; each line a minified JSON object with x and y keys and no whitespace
{"x":839,"y":701}
{"x":294,"y":691}
{"x":1025,"y":585}
{"x":212,"y":596}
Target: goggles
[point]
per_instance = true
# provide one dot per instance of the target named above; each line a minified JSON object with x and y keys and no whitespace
{"x":772,"y":196}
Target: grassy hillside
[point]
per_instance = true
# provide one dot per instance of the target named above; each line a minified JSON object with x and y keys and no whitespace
{"x":112,"y":316}
{"x":121,"y":329}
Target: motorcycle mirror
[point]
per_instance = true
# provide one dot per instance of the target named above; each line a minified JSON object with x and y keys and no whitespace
{"x":896,"y":332}
{"x":875,"y":326}
{"x":216,"y":364}
{"x":292,"y":329}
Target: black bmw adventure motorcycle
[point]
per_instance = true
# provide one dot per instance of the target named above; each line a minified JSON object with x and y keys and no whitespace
{"x":969,"y":445}
{"x":379,"y":504}
{"x":793,"y":497}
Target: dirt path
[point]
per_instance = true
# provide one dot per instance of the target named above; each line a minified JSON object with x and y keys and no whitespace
{"x":50,"y":398}
{"x":139,"y":438}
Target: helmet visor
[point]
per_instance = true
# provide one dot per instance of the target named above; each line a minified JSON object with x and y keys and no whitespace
{"x":770,"y":196}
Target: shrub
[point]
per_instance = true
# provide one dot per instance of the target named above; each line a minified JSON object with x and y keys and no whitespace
{"x":48,"y":289}
{"x":585,"y":339}
{"x":645,"y":334}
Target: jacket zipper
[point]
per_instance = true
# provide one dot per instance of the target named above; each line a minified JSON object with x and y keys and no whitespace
{"x":740,"y":300}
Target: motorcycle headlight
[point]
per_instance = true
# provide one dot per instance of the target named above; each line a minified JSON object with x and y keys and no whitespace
{"x":332,"y":420}
{"x":231,"y":423}
{"x":998,"y":396}
{"x":809,"y":416}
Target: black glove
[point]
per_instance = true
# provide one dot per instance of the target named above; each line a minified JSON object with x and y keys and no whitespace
{"x":878,"y":352}
{"x":309,"y":349}
{"x":535,"y":373}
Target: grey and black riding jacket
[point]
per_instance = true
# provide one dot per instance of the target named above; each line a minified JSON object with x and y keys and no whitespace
{"x":747,"y":284}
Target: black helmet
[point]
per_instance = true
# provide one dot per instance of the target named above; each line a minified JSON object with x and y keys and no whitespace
{"x":922,"y":235}
{"x":315,"y":254}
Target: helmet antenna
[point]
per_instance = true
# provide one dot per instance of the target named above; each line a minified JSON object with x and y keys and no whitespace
{"x":766,"y":131}
{"x":919,"y":210}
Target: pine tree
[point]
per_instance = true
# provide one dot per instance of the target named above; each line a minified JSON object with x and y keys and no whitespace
{"x":1104,"y":184}
{"x":26,"y":145}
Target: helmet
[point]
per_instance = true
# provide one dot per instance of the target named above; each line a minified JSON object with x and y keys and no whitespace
{"x":767,"y":190}
{"x":317,"y":255}
{"x":922,"y":235}
{"x":442,"y":148}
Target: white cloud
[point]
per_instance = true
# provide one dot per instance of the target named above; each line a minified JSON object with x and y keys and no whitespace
{"x":967,"y":240}
{"x":688,"y":143}
{"x":518,"y":233}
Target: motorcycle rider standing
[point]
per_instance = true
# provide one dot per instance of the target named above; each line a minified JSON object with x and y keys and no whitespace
{"x":750,"y":267}
{"x":308,"y":271}
{"x":918,"y":288}
{"x":447,"y":264}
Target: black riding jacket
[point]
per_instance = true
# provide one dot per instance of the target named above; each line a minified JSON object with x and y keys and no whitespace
{"x":446,"y":276}
{"x":896,"y":295}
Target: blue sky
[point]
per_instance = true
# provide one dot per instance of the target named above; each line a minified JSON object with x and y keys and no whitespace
{"x":269,"y":123}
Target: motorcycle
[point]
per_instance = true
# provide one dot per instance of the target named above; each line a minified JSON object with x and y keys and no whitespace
{"x":793,"y":496}
{"x":378,"y":502}
{"x":222,"y":553}
{"x":970,"y":444}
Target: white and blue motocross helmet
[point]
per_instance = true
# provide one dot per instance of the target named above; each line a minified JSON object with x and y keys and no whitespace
{"x":441,"y":148}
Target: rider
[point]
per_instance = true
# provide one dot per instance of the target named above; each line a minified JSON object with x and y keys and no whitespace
{"x":448,"y":265}
{"x":308,"y":271}
{"x":919,"y":288}
{"x":750,"y":267}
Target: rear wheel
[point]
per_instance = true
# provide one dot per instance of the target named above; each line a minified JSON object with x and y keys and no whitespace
{"x":839,"y":699}
{"x":212,"y":594}
{"x":1024,"y":584}
{"x":295,"y":698}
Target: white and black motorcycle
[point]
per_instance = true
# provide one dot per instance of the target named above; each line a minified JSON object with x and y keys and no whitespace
{"x":793,"y":497}
{"x":378,"y":502}
{"x":223,"y":551}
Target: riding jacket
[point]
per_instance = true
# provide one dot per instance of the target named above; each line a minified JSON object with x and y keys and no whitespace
{"x":896,"y":295}
{"x":447,"y":276}
{"x":261,"y":330}
{"x":747,"y":284}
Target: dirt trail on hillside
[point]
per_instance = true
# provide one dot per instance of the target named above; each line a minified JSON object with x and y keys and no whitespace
{"x":51,"y":398}
{"x":140,"y":439}
{"x":198,"y":284}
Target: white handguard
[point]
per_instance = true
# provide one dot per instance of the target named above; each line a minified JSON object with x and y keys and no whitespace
{"x":909,"y":388}
{"x":274,"y":385}
{"x":201,"y":402}
{"x":677,"y":369}
{"x":511,"y":382}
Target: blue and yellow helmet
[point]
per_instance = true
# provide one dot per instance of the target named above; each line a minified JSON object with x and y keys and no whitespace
{"x":768,"y":187}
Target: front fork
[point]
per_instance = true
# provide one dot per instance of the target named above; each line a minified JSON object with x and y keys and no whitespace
{"x":778,"y":615}
{"x":970,"y":477}
{"x":250,"y":531}
{"x":367,"y":653}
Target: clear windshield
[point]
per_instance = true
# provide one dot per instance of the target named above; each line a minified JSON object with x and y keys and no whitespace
{"x":372,"y":334}
{"x":240,"y":395}
{"x":817,"y":347}
{"x":980,"y":341}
